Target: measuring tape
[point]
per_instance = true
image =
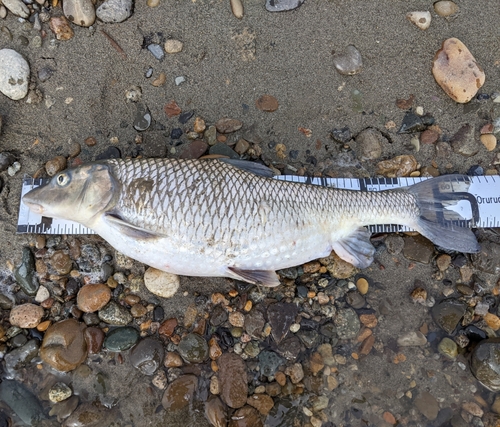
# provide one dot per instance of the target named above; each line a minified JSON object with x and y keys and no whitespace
{"x":485,"y":213}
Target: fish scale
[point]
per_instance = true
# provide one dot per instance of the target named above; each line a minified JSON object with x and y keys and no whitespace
{"x":229,"y":218}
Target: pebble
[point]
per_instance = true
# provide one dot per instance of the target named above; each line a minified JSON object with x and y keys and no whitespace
{"x":489,"y":141}
{"x":282,"y":5}
{"x":173,"y":360}
{"x":114,"y":314}
{"x":215,"y":411}
{"x":193,"y":348}
{"x":488,"y":259}
{"x":267,"y":103}
{"x":337,"y":267}
{"x":247,"y":416}
{"x":79,"y":12}
{"x":429,"y":136}
{"x":281,"y":316}
{"x":227,"y":125}
{"x":161,"y":283}
{"x":485,"y":365}
{"x":415,"y":123}
{"x":64,"y":409}
{"x":237,"y":319}
{"x":398,"y":166}
{"x":167,"y":327}
{"x":25,"y":273}
{"x":262,"y":402}
{"x":464,"y":142}
{"x":421,"y":19}
{"x":233,"y":380}
{"x":114,"y":11}
{"x":17,"y":7}
{"x":142,"y":119}
{"x":448,"y":348}
{"x":95,"y":339}
{"x":363,"y":285}
{"x":194,"y":150}
{"x":26,"y":315}
{"x":61,"y":28}
{"x":64,"y":346}
{"x":348,"y":62}
{"x":14,"y":73}
{"x":369,"y":143}
{"x":412,"y":339}
{"x":90,"y":415}
{"x":445,"y":8}
{"x":3,"y":12}
{"x":22,"y":402}
{"x":418,"y":248}
{"x":295,"y":372}
{"x":347,"y":323}
{"x":269,"y":362}
{"x":448,"y":313}
{"x":121,"y":339}
{"x":93,"y":297}
{"x":160,"y":80}
{"x":223,"y":150}
{"x":173,"y":46}
{"x":456,"y":71}
{"x":427,"y":404}
{"x":59,"y":392}
{"x":20,"y":357}
{"x":211,"y":135}
{"x":179,"y":393}
{"x":147,"y":356}
{"x":153,"y":3}
{"x":254,"y":323}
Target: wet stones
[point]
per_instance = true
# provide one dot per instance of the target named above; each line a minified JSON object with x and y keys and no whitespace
{"x":246,"y":416}
{"x":398,"y":166}
{"x":161,"y":283}
{"x":147,"y":356}
{"x":26,"y":315}
{"x":349,"y":62}
{"x":64,"y":346}
{"x":60,"y":261}
{"x":418,"y":248}
{"x":216,"y":412}
{"x":448,"y":313}
{"x":114,"y":314}
{"x":114,"y":11}
{"x":485,"y":363}
{"x":456,"y":71}
{"x":59,"y":392}
{"x":179,"y":393}
{"x":412,"y":339}
{"x":93,"y":297}
{"x":121,"y":339}
{"x":20,"y":357}
{"x":488,"y":259}
{"x":427,"y":404}
{"x":193,"y":348}
{"x":25,"y":273}
{"x":79,"y":12}
{"x":94,"y":338}
{"x":14,"y":73}
{"x":269,"y":362}
{"x":281,"y":316}
{"x":233,"y":380}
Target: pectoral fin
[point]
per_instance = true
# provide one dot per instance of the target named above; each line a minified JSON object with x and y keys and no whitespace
{"x":257,"y":277}
{"x":356,"y":248}
{"x":130,"y":230}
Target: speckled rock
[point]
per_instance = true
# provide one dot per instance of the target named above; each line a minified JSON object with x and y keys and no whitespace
{"x":398,"y":166}
{"x":93,"y":297}
{"x":114,"y":314}
{"x":456,"y":71}
{"x":64,"y":346}
{"x":26,"y":315}
{"x":114,"y":11}
{"x":369,"y":143}
{"x":179,"y":393}
{"x":25,"y":273}
{"x":173,"y":46}
{"x":193,"y":348}
{"x":485,"y":363}
{"x":347,"y":323}
{"x":147,"y":356}
{"x":79,"y":12}
{"x":247,"y":416}
{"x":161,"y":283}
{"x":233,"y":380}
{"x":59,"y":392}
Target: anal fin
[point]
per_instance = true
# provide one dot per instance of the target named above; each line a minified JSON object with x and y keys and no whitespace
{"x":356,"y":248}
{"x":128,"y":229}
{"x":258,"y":277}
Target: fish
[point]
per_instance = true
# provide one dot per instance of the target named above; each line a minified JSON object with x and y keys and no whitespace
{"x":231,"y":218}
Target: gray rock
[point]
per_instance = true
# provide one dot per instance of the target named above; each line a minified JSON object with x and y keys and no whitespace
{"x":448,"y":313}
{"x":20,"y":357}
{"x":413,"y":338}
{"x":25,"y":273}
{"x":114,"y":314}
{"x":80,"y":12}
{"x":14,"y":74}
{"x":418,"y":248}
{"x":147,"y":356}
{"x":347,"y":323}
{"x":114,"y":10}
{"x":157,"y":51}
{"x":488,"y":260}
{"x":282,"y":5}
{"x":485,"y":363}
{"x":269,"y":362}
{"x":6,"y":159}
{"x":17,"y":7}
{"x":427,"y":404}
{"x":348,"y":62}
{"x":369,"y":144}
{"x":21,"y":401}
{"x":464,"y":141}
{"x":193,"y":348}
{"x":281,"y":316}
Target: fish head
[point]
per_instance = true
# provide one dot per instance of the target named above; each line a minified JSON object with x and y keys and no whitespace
{"x":79,"y":194}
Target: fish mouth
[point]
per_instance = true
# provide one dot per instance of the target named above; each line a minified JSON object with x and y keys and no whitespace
{"x":33,"y":206}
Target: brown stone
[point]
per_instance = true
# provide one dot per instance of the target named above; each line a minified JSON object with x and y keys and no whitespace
{"x":26,"y":315}
{"x":233,"y":380}
{"x":405,"y":104}
{"x":94,"y":338}
{"x":398,"y":166}
{"x":55,"y":165}
{"x":311,"y":267}
{"x":167,"y":327}
{"x":316,"y":363}
{"x":367,"y":345}
{"x":64,"y":346}
{"x":194,"y":149}
{"x":61,"y":28}
{"x":92,"y":298}
{"x":267,"y":103}
{"x":179,"y":393}
{"x":214,"y":349}
{"x":429,"y":136}
{"x":246,"y":417}
{"x":369,"y":320}
{"x":90,"y":141}
{"x":227,"y":125}
{"x":262,"y":402}
{"x":456,"y":71}
{"x":199,"y":125}
{"x":280,"y":378}
{"x":172,"y":109}
{"x":172,"y":360}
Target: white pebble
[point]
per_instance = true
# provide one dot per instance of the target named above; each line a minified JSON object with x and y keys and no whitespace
{"x":42,"y":294}
{"x":179,"y":80}
{"x":173,"y":46}
{"x":419,"y":110}
{"x":421,"y":19}
{"x":161,"y":283}
{"x":17,"y":7}
{"x":294,"y":327}
{"x":237,"y":8}
{"x":14,"y":74}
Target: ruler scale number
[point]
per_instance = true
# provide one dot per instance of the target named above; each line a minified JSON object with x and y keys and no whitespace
{"x":480,"y":206}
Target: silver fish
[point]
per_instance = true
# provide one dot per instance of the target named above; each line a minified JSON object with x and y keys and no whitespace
{"x":231,"y":219}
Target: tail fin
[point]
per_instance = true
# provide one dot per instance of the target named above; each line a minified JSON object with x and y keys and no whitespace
{"x":438,"y":220}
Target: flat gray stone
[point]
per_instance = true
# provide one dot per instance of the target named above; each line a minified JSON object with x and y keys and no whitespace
{"x":17,"y":7}
{"x":114,"y":10}
{"x":14,"y":74}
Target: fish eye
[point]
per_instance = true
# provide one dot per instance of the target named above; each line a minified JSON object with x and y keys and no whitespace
{"x":62,"y":179}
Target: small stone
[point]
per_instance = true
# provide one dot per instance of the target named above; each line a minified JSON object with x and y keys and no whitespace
{"x":362,"y":285}
{"x":485,"y":365}
{"x":61,"y":28}
{"x":445,"y":8}
{"x":316,"y":363}
{"x":429,"y":136}
{"x":248,"y":416}
{"x":59,"y":392}
{"x":173,"y":46}
{"x":172,"y":109}
{"x":79,"y":12}
{"x":282,"y":6}
{"x":418,"y":248}
{"x":223,"y":150}
{"x":147,"y":356}
{"x":463,"y":141}
{"x":153,"y":3}
{"x":421,"y":19}
{"x":347,"y":323}
{"x":167,"y":327}
{"x":489,"y":141}
{"x":17,"y":7}
{"x":193,"y":348}
{"x":337,"y":267}
{"x":214,"y":349}
{"x":64,"y":346}
{"x":419,"y":295}
{"x":398,"y":166}
{"x":199,"y":125}
{"x":179,"y":393}
{"x":237,"y":8}
{"x":114,"y":314}
{"x":227,"y":125}
{"x":492,"y":320}
{"x":173,"y":360}
{"x":349,"y":62}
{"x":42,"y":294}
{"x":194,"y":150}
{"x":443,"y":261}
{"x":237,"y":319}
{"x":14,"y":73}
{"x":254,"y":323}
{"x":281,"y":316}
{"x":26,"y":315}
{"x":369,"y":143}
{"x":20,"y":357}
{"x":427,"y":404}
{"x":269,"y":362}
{"x":295,"y":372}
{"x":267,"y":103}
{"x":114,"y":10}
{"x":161,"y":283}
{"x":456,"y":71}
{"x":242,"y":146}
{"x":95,"y":339}
{"x":412,"y":339}
{"x":160,"y":80}
{"x":448,"y":347}
{"x":448,"y":313}
{"x":233,"y":380}
{"x":121,"y":339}
{"x":473,"y":408}
{"x":389,"y":418}
{"x":262,"y":402}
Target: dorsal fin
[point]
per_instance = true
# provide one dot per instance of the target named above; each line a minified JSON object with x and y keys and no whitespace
{"x":252,"y":167}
